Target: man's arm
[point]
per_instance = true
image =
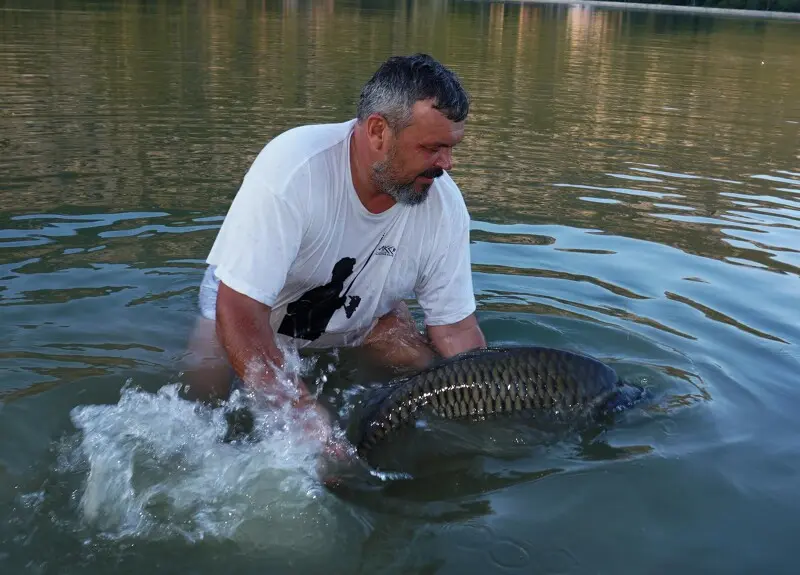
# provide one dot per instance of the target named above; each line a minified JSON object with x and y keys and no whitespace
{"x":446,"y":292}
{"x":458,"y":337}
{"x":396,"y":341}
{"x":247,"y":337}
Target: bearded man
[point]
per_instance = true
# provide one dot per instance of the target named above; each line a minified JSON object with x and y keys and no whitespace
{"x":335,"y":225}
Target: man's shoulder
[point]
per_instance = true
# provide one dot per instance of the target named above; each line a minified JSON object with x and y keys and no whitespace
{"x":295,"y":147}
{"x":312,"y":138}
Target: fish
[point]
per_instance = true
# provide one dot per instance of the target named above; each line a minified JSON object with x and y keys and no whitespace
{"x":548,"y":384}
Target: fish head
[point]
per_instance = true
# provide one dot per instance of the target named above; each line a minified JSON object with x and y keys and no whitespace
{"x":627,"y":395}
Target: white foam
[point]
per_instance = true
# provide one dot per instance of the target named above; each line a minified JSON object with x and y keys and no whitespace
{"x":158,"y":469}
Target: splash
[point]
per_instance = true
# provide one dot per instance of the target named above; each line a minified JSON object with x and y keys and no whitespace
{"x":156,"y":468}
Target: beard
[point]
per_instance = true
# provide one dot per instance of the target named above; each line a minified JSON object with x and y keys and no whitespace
{"x":386,"y":179}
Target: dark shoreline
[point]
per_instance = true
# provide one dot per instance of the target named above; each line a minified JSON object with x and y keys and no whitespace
{"x":672,"y":8}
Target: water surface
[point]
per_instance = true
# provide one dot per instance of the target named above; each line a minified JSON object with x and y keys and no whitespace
{"x":634,"y":186}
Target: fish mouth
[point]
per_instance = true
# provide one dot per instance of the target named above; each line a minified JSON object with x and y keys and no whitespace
{"x":628,"y":394}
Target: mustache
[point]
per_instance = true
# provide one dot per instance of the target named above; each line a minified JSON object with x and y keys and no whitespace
{"x":433,"y":173}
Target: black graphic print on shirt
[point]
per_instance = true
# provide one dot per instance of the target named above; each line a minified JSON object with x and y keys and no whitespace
{"x":308,"y":316}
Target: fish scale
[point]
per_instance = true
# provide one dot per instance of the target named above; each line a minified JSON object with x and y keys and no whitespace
{"x":543,"y":382}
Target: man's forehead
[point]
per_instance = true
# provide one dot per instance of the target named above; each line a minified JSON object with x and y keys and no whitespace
{"x":428,"y":123}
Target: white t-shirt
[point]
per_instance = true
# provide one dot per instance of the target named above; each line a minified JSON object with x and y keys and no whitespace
{"x":297,"y":238}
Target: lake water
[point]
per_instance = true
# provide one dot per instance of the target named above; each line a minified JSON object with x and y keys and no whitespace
{"x":634,"y":186}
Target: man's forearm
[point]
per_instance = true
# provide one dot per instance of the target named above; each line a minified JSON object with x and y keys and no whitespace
{"x":453,"y":339}
{"x":244,"y":331}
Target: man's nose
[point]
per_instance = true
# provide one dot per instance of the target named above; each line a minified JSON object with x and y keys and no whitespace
{"x":445,"y":159}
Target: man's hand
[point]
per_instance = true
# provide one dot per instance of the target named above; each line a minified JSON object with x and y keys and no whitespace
{"x":452,"y":339}
{"x":396,"y":341}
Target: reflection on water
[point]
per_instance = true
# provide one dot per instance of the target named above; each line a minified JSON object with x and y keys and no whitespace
{"x":634,"y":185}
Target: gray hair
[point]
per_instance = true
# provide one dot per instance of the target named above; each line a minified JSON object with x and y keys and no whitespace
{"x":401,"y":81}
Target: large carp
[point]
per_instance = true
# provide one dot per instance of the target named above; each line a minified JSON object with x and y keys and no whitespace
{"x":550,"y":384}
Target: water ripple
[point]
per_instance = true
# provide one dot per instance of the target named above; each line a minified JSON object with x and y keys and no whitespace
{"x":626,"y":191}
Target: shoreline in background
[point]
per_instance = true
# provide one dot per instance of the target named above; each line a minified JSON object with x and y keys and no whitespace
{"x":670,"y":8}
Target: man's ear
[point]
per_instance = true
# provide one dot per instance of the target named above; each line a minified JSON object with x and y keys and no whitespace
{"x":378,"y":133}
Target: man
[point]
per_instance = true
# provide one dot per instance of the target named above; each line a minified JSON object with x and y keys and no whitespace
{"x":335,"y":224}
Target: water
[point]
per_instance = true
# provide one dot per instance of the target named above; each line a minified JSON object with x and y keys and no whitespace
{"x":634,"y":185}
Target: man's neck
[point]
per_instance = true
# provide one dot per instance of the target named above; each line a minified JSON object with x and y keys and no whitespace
{"x":373,"y":200}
